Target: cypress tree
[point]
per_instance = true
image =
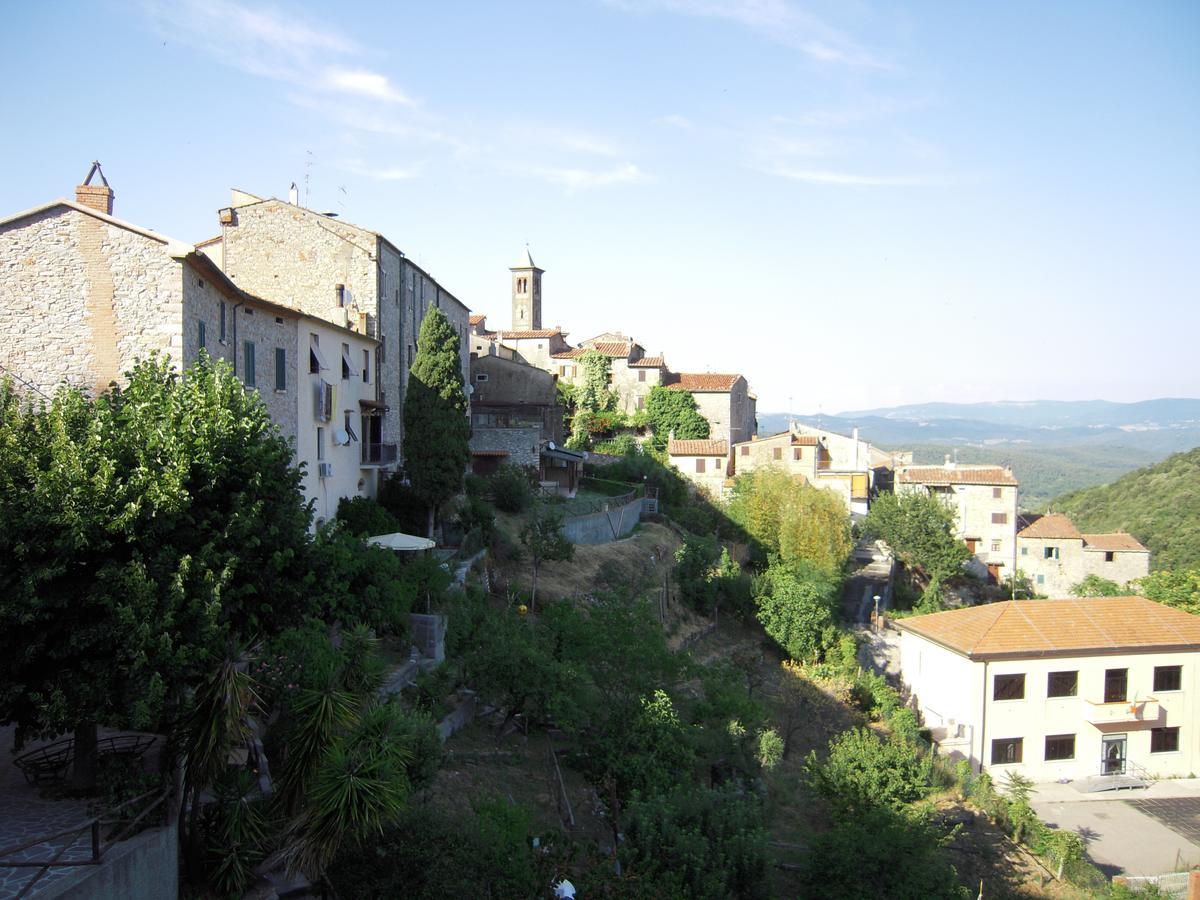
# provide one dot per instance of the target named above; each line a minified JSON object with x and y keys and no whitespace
{"x":436,"y":427}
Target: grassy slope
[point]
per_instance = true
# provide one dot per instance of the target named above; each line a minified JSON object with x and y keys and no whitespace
{"x":1159,"y":505}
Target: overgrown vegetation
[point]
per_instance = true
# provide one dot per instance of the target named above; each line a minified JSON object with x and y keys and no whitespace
{"x":920,"y":530}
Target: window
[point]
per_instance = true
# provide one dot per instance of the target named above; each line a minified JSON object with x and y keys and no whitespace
{"x":1041,"y":579}
{"x":999,"y":518}
{"x":641,"y":404}
{"x":745,"y":451}
{"x":797,"y":453}
{"x":1024,"y":551}
{"x":200,"y":334}
{"x":481,"y":376}
{"x":278,"y":320}
{"x":1062,"y":684}
{"x":1007,"y":750}
{"x":1164,"y":740}
{"x":1116,"y":685}
{"x":1109,"y":556}
{"x":1009,"y":687}
{"x":347,"y":366}
{"x":995,"y":546}
{"x":280,"y":369}
{"x":320,"y":443}
{"x":247,"y":310}
{"x":777,"y":453}
{"x":1060,"y":746}
{"x":641,"y":374}
{"x":997,"y":493}
{"x":350,"y":428}
{"x":248,"y":351}
{"x":316,"y":361}
{"x":1168,"y":678}
{"x":339,"y":291}
{"x":222,"y":331}
{"x":366,"y":367}
{"x":700,"y":465}
{"x":1049,"y":553}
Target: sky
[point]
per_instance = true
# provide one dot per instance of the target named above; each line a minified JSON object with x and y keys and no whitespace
{"x":853,"y":204}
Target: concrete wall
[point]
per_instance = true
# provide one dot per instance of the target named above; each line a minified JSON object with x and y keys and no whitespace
{"x":1055,"y":577}
{"x":81,"y":299}
{"x":604,"y":527}
{"x":948,"y":686}
{"x":145,"y":867}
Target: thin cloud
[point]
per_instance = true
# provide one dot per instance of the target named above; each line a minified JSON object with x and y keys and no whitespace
{"x":776,"y":20}
{"x":675,"y":121}
{"x":588,"y":179}
{"x":365,"y":84}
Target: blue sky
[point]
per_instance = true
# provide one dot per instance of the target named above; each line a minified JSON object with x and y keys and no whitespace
{"x":853,"y":204}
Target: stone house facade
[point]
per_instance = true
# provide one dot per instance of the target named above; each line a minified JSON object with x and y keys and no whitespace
{"x":514,"y":410}
{"x":632,"y":374}
{"x":1065,"y":689}
{"x":341,"y":273}
{"x":86,"y":295}
{"x":984,"y":501}
{"x":724,"y":400}
{"x":1057,"y":556}
{"x":703,"y":463}
{"x":820,"y":461}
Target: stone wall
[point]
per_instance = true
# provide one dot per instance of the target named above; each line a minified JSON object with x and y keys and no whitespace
{"x":632,"y":384}
{"x":1054,"y":577}
{"x":522,"y":443}
{"x":81,"y":299}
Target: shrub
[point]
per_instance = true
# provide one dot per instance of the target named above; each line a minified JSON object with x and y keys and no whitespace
{"x":511,"y":490}
{"x":864,"y":771}
{"x":621,"y":445}
{"x":796,"y":608}
{"x":475,"y":515}
{"x":354,"y":581}
{"x":365,"y":517}
{"x":405,"y":506}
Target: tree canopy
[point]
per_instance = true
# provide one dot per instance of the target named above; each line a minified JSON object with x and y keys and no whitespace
{"x":436,"y":427}
{"x":674,"y":411}
{"x":795,"y":520}
{"x":920,"y":530}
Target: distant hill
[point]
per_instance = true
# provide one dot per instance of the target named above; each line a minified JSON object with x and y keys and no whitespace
{"x":1053,"y":446}
{"x":1159,"y":505}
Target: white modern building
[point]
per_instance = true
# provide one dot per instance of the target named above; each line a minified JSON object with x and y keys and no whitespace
{"x":1059,"y":689}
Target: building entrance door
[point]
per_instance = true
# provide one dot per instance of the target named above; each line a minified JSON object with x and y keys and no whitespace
{"x":1113,"y":761}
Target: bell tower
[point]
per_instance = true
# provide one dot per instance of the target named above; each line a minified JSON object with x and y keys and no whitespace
{"x":526,"y":294}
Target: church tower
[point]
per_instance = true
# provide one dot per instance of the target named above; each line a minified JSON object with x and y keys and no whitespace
{"x":526,"y":295}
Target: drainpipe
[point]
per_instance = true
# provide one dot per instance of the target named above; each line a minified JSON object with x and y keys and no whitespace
{"x":983,"y":723}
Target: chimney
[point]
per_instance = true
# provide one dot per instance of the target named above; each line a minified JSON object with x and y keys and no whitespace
{"x":294,"y":195}
{"x":948,"y":463}
{"x":98,"y":196}
{"x":855,"y":433}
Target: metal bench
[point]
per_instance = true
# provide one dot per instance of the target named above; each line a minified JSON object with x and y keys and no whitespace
{"x":51,"y":763}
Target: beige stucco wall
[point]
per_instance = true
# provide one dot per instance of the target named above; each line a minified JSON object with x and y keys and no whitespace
{"x":1055,"y":577}
{"x":795,"y":460}
{"x":713,"y":477}
{"x":954,"y":687}
{"x":632,"y":384}
{"x":81,"y":299}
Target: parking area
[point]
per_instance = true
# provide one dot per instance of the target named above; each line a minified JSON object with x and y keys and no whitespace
{"x":1147,"y":832}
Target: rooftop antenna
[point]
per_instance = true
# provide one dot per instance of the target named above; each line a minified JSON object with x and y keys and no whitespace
{"x":345,"y":194}
{"x":307,"y":177}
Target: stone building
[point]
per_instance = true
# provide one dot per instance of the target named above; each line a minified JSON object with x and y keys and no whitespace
{"x":344,"y":274}
{"x":704,"y":463}
{"x":632,"y":374}
{"x":483,"y":342}
{"x":984,"y":501}
{"x":724,"y":400}
{"x":823,"y":459}
{"x":1056,"y":556}
{"x":85,"y":295}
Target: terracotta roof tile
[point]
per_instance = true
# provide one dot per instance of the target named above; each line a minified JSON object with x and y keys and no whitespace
{"x":615,"y":349}
{"x":573,"y":353}
{"x":528,"y":335}
{"x":476,"y":319}
{"x":956,"y":474}
{"x":797,"y":440}
{"x":697,"y":448}
{"x":648,"y":362}
{"x":1052,"y":525}
{"x":1075,"y":626}
{"x":1113,"y":542}
{"x":704,"y":382}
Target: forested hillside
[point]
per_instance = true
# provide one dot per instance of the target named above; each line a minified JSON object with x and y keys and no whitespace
{"x":1159,"y":505}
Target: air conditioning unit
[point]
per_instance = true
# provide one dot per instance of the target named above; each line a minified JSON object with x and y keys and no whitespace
{"x":324,"y":470}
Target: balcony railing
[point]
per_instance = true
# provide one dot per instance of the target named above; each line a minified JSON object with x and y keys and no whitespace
{"x":378,"y":454}
{"x":1126,"y":711}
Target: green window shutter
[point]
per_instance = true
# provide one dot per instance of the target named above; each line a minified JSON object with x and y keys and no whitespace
{"x":280,"y":369}
{"x":249,"y":357}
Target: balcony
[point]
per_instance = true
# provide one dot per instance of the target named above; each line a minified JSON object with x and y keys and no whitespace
{"x":378,"y":455}
{"x":1125,"y":713}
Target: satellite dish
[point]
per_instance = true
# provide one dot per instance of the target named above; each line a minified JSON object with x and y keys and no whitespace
{"x":469,"y":389}
{"x":341,"y":436}
{"x":551,"y":445}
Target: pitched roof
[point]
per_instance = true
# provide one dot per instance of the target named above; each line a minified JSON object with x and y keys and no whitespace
{"x":175,"y":248}
{"x":1051,"y":525}
{"x":697,"y":448}
{"x":528,"y":335}
{"x":797,"y":440}
{"x":704,"y":382}
{"x":956,"y":474}
{"x":526,"y":261}
{"x":648,"y":362}
{"x":1075,"y":627}
{"x":573,"y":353}
{"x":1112,"y":542}
{"x":615,"y":349}
{"x":476,"y":319}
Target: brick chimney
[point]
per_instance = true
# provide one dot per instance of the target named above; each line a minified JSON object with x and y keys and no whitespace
{"x":97,"y":196}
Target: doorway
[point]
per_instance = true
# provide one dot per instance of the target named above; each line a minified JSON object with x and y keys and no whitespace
{"x":1113,"y":755}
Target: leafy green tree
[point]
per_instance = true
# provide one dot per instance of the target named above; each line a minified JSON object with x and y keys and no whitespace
{"x":794,"y":520}
{"x":591,"y":397}
{"x":1095,"y":586}
{"x":864,"y":771}
{"x":796,"y":606}
{"x":674,"y":411}
{"x":144,"y":530}
{"x":365,"y":517}
{"x":880,"y":853}
{"x":920,"y":530}
{"x":436,"y":427}
{"x":1179,"y":588}
{"x":543,"y":537}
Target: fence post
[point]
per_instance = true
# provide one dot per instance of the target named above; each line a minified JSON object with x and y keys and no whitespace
{"x":96,"y":841}
{"x":1193,"y":885}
